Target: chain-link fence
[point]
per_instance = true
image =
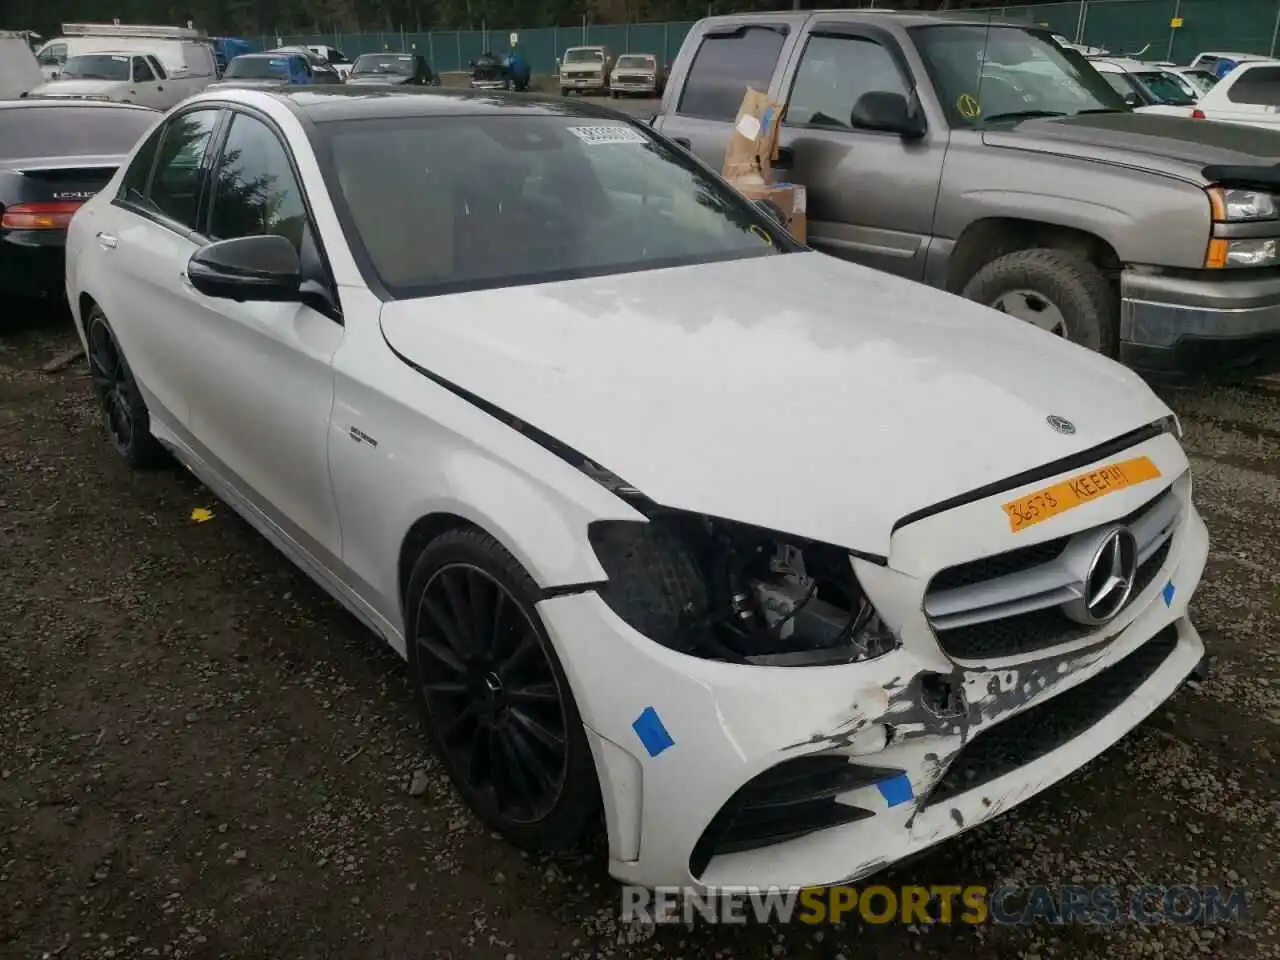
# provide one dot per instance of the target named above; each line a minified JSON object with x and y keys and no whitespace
{"x":1173,"y":30}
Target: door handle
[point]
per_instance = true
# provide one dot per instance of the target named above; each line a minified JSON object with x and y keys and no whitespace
{"x":107,"y":240}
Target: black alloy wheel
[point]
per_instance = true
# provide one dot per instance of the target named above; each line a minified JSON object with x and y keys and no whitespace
{"x":491,"y":691}
{"x":123,"y":410}
{"x":495,"y":698}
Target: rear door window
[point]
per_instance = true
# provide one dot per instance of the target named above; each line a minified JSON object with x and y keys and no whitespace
{"x":1258,"y":87}
{"x":176,"y":183}
{"x":725,"y":65}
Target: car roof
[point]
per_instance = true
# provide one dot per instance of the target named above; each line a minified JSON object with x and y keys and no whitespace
{"x":905,"y":18}
{"x":57,"y":102}
{"x":328,"y":103}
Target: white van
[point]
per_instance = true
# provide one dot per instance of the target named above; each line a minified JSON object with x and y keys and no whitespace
{"x":19,"y":71}
{"x":183,"y":51}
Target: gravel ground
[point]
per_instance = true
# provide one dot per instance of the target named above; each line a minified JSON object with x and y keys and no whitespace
{"x":201,"y":755}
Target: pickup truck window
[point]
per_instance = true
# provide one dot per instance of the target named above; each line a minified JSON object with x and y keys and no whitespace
{"x":724,"y":66}
{"x":142,"y":72}
{"x":987,"y":74}
{"x":53,"y":54}
{"x":1259,"y":86}
{"x":97,"y":66}
{"x":834,"y":72}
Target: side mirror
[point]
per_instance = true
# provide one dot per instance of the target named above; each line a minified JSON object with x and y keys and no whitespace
{"x":253,"y":269}
{"x":890,"y":112}
{"x":1132,"y":99}
{"x":471,"y":64}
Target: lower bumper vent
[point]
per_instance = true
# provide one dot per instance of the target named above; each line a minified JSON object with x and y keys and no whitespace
{"x":791,"y":800}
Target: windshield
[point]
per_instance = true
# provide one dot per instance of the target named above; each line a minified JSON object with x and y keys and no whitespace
{"x":988,"y":74}
{"x":1201,"y":78}
{"x":583,"y":56}
{"x":370,"y":63}
{"x":1164,"y":88}
{"x":634,"y":63}
{"x":441,"y":205}
{"x":37,"y":130}
{"x":257,"y":68}
{"x":97,"y":66}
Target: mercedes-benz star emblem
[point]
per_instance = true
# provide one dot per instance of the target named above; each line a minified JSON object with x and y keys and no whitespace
{"x":1109,"y":581}
{"x":1061,"y":424}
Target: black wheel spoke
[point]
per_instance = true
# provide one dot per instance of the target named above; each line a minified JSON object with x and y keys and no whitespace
{"x":448,"y":628}
{"x":498,"y":618}
{"x":458,"y":604}
{"x":536,"y":731}
{"x":467,"y":716}
{"x":477,"y":588}
{"x":522,"y":655}
{"x":534,"y":693}
{"x":479,"y":763}
{"x":528,"y":764}
{"x":446,"y":688}
{"x":515,"y":773}
{"x":441,"y":654}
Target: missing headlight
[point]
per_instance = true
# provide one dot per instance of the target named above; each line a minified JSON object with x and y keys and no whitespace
{"x":727,"y":591}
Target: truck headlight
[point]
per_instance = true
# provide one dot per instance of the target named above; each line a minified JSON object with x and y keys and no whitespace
{"x":1244,"y":252}
{"x":1235,"y":206}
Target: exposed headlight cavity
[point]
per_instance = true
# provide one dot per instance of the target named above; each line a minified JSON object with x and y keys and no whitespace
{"x":726,"y":591}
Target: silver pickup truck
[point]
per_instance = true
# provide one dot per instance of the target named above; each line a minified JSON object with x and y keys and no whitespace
{"x":993,"y":162}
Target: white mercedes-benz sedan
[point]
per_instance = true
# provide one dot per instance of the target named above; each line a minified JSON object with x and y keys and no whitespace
{"x":789,"y":567}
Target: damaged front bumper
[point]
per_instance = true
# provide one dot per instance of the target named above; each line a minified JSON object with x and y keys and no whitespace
{"x":726,"y":776}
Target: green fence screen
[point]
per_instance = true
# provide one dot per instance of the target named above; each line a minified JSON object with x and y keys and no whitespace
{"x":1137,"y":27}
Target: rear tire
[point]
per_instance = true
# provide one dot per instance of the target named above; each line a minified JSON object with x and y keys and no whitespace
{"x":123,"y":410}
{"x":496,"y":703}
{"x":564,"y":91}
{"x":1059,"y":292}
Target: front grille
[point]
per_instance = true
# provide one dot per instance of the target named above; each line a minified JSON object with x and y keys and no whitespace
{"x":791,"y":800}
{"x":1030,"y":735}
{"x":1009,"y":604}
{"x":1039,"y":629}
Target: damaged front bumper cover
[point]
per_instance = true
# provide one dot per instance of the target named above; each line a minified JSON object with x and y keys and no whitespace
{"x":922,"y":749}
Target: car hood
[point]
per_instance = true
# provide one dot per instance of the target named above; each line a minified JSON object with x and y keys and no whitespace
{"x":255,"y":84}
{"x":798,"y":392}
{"x":1176,"y":146}
{"x":77,"y":88}
{"x":378,"y":80}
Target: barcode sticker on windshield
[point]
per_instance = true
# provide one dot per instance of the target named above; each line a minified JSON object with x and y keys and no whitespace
{"x":610,"y":134}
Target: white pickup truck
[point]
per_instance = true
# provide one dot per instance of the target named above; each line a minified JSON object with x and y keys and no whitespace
{"x":125,"y":76}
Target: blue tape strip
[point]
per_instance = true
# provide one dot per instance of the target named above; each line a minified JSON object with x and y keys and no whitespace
{"x":896,"y":790}
{"x":648,"y":727}
{"x":1167,"y":593}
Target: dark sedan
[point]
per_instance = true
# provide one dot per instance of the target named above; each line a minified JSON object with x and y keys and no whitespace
{"x":54,"y":155}
{"x":393,"y":68}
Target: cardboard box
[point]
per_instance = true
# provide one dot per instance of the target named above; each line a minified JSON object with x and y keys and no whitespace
{"x":753,"y":146}
{"x":789,"y":197}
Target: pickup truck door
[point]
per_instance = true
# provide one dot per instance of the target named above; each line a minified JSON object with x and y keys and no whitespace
{"x":704,"y":93}
{"x":871,"y":194}
{"x":148,"y":87}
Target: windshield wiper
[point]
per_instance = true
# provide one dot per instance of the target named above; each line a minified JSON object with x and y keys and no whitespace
{"x":1024,"y":115}
{"x":1102,"y":110}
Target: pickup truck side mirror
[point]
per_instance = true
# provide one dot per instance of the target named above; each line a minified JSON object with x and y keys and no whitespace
{"x":471,"y":64}
{"x":886,"y":111}
{"x":1132,"y":99}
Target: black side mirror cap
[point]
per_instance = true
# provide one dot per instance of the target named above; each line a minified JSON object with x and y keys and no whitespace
{"x":264,"y":269}
{"x":887,"y":112}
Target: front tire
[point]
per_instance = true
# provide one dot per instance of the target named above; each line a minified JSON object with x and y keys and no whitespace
{"x":496,"y":703}
{"x":1057,"y":291}
{"x":123,"y":410}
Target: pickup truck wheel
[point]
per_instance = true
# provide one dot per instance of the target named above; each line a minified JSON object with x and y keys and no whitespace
{"x":564,"y":91}
{"x":1057,"y":291}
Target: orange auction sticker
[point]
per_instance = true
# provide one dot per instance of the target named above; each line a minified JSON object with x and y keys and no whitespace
{"x":1086,"y":487}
